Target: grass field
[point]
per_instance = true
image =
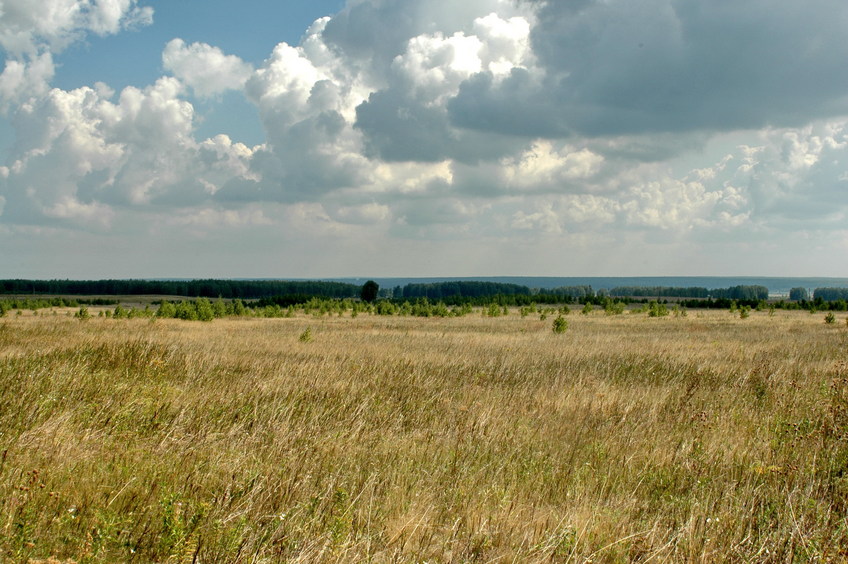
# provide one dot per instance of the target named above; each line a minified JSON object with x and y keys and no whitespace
{"x":627,"y":438}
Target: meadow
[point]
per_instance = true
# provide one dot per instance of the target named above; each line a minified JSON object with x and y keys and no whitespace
{"x":704,"y":438}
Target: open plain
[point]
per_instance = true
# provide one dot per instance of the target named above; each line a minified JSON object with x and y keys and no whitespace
{"x":397,"y":439}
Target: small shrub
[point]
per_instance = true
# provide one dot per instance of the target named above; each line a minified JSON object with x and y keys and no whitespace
{"x":614,"y":308}
{"x":744,"y":312}
{"x":587,"y":309}
{"x":656,"y":309}
{"x":83,"y":314}
{"x":560,"y":324}
{"x":830,"y":319}
{"x":306,"y":336}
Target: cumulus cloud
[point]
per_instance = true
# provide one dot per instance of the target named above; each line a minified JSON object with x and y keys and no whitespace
{"x":21,"y":80}
{"x":668,"y":66}
{"x":32,"y":32}
{"x":206,"y":69}
{"x":481,"y":120}
{"x":548,"y":168}
{"x":82,"y":155}
{"x":27,"y":27}
{"x":409,"y":119}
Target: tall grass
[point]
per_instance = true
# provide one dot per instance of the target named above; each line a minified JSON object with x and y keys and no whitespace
{"x":704,"y":438}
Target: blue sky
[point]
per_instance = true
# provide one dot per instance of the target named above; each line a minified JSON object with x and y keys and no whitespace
{"x":152,"y":138}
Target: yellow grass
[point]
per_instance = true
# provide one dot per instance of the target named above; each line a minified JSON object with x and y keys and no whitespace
{"x":706,"y":438}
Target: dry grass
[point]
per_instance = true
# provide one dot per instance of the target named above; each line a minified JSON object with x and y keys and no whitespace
{"x":706,"y":438}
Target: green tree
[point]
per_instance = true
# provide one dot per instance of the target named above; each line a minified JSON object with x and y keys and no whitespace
{"x":798,"y":294}
{"x":369,"y":291}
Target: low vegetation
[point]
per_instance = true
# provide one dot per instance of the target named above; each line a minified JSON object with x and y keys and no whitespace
{"x":474,"y":438}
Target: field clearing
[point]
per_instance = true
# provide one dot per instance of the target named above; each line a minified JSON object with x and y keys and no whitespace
{"x":397,"y":439}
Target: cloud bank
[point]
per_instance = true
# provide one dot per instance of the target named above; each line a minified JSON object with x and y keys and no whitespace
{"x":570,"y":128}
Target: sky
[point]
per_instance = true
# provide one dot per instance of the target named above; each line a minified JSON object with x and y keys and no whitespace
{"x":378,"y":138}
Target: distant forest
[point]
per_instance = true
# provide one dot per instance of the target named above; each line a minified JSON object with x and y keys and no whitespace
{"x":450,"y":291}
{"x":228,"y":289}
{"x":732,"y":293}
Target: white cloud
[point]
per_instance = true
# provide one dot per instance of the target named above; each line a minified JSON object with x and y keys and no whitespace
{"x":82,"y":154}
{"x":32,"y":32}
{"x":27,"y":27}
{"x":93,"y":214}
{"x":483,"y":120}
{"x":545,"y":220}
{"x":545,"y":167}
{"x":206,"y":69}
{"x":22,"y":80}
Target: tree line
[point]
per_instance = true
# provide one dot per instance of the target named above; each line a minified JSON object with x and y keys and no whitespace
{"x":209,"y":288}
{"x":742,"y":292}
{"x":458,"y":292}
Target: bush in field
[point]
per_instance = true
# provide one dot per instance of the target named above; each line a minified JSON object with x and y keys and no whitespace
{"x":204,"y":310}
{"x":613,"y":307}
{"x":830,"y":319}
{"x":385,"y":307}
{"x":166,"y":310}
{"x":459,"y":311}
{"x":560,"y":324}
{"x":186,"y":311}
{"x":83,"y":314}
{"x":306,"y":336}
{"x":656,"y":309}
{"x":744,"y":312}
{"x":219,"y":309}
{"x":587,"y":309}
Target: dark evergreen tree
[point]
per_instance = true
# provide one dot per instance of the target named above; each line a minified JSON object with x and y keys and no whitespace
{"x":369,"y":291}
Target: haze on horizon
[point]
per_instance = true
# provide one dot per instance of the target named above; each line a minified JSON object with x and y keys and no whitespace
{"x":378,"y":138}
